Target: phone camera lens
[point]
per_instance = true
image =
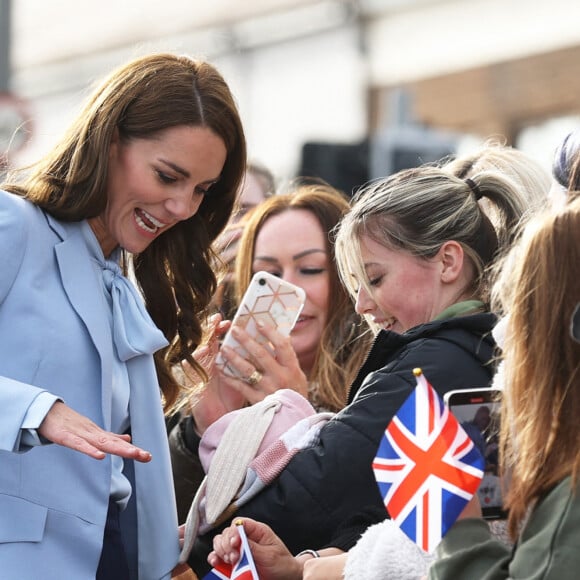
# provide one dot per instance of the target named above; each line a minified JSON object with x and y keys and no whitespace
{"x":261,"y":281}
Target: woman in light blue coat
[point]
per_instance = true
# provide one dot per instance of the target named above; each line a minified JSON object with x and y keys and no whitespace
{"x":149,"y":170}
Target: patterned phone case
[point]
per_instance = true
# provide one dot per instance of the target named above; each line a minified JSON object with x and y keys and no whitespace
{"x":270,"y":299}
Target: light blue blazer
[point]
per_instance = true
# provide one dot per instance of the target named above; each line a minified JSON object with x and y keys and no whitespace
{"x":55,"y":336}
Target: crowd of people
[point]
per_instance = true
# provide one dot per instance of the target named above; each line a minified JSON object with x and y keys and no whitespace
{"x":127,"y":249}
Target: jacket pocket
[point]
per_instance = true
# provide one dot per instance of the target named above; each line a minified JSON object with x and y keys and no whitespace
{"x":21,"y":521}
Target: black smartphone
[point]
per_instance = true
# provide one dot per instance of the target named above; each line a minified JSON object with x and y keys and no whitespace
{"x":478,"y":412}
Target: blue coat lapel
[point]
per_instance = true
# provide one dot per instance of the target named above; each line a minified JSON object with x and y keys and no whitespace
{"x":84,"y":291}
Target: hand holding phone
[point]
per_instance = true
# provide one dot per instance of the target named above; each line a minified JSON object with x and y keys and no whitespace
{"x":478,"y":412}
{"x":268,"y":299}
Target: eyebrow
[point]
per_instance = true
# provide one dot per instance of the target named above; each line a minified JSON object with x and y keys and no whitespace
{"x":186,"y":173}
{"x":368,"y":265}
{"x":176,"y":168}
{"x":295,"y":257}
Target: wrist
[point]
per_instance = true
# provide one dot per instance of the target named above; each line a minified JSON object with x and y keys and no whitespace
{"x":301,"y":558}
{"x":307,"y":555}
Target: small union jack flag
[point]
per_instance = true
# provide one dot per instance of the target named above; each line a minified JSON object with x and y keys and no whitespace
{"x":244,"y":569}
{"x":427,"y":468}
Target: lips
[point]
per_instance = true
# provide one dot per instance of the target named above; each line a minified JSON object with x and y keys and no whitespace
{"x":147,"y":222}
{"x":301,"y":320}
{"x":386,"y":324}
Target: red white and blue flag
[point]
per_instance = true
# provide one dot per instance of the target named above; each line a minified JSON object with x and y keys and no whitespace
{"x":244,"y":569}
{"x":427,"y":468}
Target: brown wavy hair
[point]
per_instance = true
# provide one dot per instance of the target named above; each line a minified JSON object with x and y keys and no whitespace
{"x":138,"y":100}
{"x":540,"y":288}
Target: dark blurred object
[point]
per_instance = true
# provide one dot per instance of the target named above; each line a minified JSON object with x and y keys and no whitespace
{"x":348,"y":166}
{"x":408,"y":146}
{"x":342,"y":165}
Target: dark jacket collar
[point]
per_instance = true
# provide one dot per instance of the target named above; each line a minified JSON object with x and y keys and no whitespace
{"x":460,"y":330}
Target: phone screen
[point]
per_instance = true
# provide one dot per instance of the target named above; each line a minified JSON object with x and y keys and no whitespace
{"x":478,"y":412}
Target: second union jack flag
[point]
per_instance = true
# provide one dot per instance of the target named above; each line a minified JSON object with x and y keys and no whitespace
{"x":243,"y":569}
{"x":427,"y":468}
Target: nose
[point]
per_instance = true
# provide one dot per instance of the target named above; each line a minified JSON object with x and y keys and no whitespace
{"x":364,"y":304}
{"x":184,"y":204}
{"x":288,"y":277}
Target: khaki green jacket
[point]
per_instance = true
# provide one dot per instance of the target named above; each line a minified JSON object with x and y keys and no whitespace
{"x":548,"y":547}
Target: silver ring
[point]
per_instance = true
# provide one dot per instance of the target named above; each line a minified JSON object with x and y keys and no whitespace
{"x":254,"y":378}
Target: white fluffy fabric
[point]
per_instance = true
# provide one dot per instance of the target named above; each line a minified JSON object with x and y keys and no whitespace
{"x":384,"y":552}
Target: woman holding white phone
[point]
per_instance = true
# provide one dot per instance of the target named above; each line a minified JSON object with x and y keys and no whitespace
{"x":288,"y":235}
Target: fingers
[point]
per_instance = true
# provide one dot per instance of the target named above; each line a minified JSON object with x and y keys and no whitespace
{"x":258,"y":532}
{"x":181,"y":536}
{"x":64,"y":426}
{"x":259,"y":356}
{"x":279,"y":368}
{"x":281,"y":344}
{"x":226,"y":546}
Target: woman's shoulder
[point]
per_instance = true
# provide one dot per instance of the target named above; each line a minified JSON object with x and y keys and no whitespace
{"x":12,"y":202}
{"x":14,"y":228}
{"x":548,"y":545}
{"x":14,"y":221}
{"x":15,"y":211}
{"x":559,"y":508}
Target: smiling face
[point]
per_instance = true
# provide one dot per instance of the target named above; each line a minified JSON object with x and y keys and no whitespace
{"x":291,"y":245}
{"x":406,"y":290}
{"x":155,"y":183}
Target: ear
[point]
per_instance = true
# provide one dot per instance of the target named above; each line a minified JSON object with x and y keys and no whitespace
{"x":452,"y":259}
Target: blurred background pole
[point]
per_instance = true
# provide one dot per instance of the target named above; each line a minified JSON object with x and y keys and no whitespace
{"x":5,"y":44}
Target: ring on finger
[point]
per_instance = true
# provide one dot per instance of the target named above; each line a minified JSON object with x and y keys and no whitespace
{"x":254,"y":378}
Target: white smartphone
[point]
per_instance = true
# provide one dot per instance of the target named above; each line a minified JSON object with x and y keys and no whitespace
{"x":478,"y":412}
{"x":271,"y":300}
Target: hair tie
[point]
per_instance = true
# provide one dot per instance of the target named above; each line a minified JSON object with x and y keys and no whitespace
{"x":474,"y":188}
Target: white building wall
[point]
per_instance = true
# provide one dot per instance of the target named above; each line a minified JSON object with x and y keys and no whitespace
{"x":448,"y":36}
{"x":301,"y":74}
{"x":306,"y":90}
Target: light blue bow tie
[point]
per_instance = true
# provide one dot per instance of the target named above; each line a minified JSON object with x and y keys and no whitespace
{"x":134,"y":332}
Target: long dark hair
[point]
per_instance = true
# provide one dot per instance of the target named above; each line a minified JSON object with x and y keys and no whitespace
{"x":140,"y":99}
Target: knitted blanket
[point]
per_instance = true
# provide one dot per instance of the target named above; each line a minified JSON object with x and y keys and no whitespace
{"x":252,"y":447}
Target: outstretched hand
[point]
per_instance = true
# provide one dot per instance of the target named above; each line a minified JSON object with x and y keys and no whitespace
{"x":64,"y":426}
